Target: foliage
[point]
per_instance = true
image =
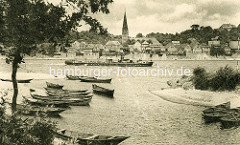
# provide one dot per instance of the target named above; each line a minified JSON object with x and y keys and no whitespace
{"x":16,"y":131}
{"x":24,"y":23}
{"x":129,"y":42}
{"x":139,"y":35}
{"x":200,"y":78}
{"x":90,"y":37}
{"x":202,"y":34}
{"x":225,"y":79}
{"x":149,"y":41}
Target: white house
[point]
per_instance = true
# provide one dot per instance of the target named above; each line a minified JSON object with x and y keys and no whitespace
{"x":113,"y":46}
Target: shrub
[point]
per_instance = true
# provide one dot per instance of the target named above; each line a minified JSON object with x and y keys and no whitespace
{"x":200,"y":78}
{"x":16,"y":131}
{"x":225,"y":79}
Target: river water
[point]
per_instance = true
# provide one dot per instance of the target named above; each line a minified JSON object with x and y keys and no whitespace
{"x":134,"y":111}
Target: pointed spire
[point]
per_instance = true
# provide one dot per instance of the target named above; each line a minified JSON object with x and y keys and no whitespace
{"x":125,"y":33}
{"x":125,"y":25}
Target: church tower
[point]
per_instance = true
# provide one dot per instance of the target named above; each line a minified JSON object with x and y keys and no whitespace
{"x":125,"y":33}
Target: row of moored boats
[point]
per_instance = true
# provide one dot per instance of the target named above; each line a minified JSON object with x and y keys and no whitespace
{"x":54,"y":99}
{"x":223,"y":113}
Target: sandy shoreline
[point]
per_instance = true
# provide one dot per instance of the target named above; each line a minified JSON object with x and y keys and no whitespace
{"x":198,"y":97}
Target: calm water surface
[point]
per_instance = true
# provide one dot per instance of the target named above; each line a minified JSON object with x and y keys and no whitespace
{"x":135,"y":112}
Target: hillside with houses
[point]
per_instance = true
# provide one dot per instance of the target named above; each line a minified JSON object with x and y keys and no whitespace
{"x":189,"y":44}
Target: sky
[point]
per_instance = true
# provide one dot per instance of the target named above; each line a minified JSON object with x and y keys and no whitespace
{"x":168,"y":16}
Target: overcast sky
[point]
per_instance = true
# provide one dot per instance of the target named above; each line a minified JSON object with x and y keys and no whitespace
{"x":170,"y":16}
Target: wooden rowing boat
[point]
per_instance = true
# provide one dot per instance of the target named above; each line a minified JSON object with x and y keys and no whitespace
{"x":214,"y":114}
{"x":57,"y":92}
{"x":71,"y":77}
{"x":213,"y":117}
{"x":90,"y":139}
{"x":64,"y":90}
{"x":18,"y":81}
{"x":95,"y":80}
{"x":63,"y":94}
{"x":52,"y":85}
{"x":35,"y":110}
{"x":103,"y":91}
{"x":231,"y":119}
{"x":45,"y":103}
{"x":35,"y":95}
{"x":71,"y":101}
{"x":221,"y":107}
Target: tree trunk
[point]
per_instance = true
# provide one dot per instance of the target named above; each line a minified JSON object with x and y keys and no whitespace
{"x":14,"y":80}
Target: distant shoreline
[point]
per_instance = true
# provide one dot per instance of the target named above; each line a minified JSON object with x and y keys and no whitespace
{"x":82,"y":58}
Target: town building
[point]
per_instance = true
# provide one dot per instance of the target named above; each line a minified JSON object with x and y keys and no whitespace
{"x":171,"y":49}
{"x":125,"y":32}
{"x":137,"y":47}
{"x":97,"y":48}
{"x":113,"y":46}
{"x":185,"y":49}
{"x":214,"y":41}
{"x":176,"y":43}
{"x":145,"y":46}
{"x":234,"y":45}
{"x":227,"y":27}
{"x":87,"y":50}
{"x":176,"y":48}
{"x":156,"y":46}
{"x":205,"y":48}
{"x":196,"y":48}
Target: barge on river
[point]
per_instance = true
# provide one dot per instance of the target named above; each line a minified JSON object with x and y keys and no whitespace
{"x":110,"y":62}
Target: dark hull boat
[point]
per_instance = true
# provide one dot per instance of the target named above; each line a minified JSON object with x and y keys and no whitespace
{"x":213,"y":117}
{"x":214,"y":114}
{"x":95,"y":80}
{"x":81,"y":94}
{"x":74,"y":62}
{"x":52,"y":85}
{"x":71,"y":77}
{"x":34,"y":110}
{"x":122,"y":64}
{"x":53,"y":90}
{"x":103,"y":91}
{"x":36,"y":102}
{"x":62,"y":93}
{"x":221,"y":107}
{"x":59,"y":93}
{"x":60,"y":98}
{"x":71,"y":101}
{"x":90,"y":139}
{"x":232,"y":119}
{"x":18,"y":81}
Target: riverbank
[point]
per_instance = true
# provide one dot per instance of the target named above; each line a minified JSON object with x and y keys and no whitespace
{"x":133,"y":57}
{"x":133,"y":111}
{"x":198,"y":97}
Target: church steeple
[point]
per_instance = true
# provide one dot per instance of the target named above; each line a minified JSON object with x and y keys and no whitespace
{"x":125,"y":33}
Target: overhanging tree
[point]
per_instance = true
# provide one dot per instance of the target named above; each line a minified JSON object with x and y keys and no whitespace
{"x":25,"y":23}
